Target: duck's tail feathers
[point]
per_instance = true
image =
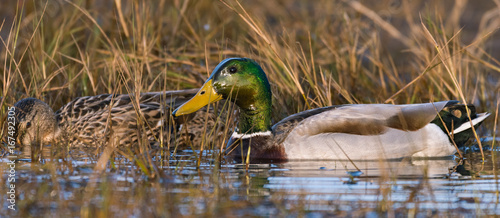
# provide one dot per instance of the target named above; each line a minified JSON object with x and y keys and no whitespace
{"x":467,"y":125}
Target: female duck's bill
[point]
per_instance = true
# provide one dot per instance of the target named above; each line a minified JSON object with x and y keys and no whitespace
{"x":365,"y":131}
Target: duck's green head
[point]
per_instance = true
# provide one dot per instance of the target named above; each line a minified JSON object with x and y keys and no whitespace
{"x":240,"y":80}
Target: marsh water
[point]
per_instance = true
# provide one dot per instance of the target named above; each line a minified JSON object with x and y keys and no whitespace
{"x":194,"y":183}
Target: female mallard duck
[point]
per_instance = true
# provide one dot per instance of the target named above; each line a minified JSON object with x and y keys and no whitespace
{"x":361,"y":132}
{"x":97,"y":120}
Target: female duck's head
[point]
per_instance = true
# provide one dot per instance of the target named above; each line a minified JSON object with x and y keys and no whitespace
{"x":35,"y":122}
{"x":240,"y":80}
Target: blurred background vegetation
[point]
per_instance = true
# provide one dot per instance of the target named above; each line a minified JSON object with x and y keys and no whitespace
{"x":315,"y":53}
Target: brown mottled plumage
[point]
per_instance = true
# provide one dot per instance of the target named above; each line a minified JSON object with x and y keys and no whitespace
{"x":120,"y":119}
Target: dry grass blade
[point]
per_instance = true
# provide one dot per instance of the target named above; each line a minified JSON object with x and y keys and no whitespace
{"x":448,"y":66}
{"x":86,"y":13}
{"x":393,"y":31}
{"x":429,"y":67}
{"x":118,"y":4}
{"x":253,"y":25}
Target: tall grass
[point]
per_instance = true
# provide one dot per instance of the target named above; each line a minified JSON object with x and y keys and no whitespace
{"x":314,"y":53}
{"x":317,"y":54}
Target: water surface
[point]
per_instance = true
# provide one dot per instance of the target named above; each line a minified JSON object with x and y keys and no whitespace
{"x":184,"y":185}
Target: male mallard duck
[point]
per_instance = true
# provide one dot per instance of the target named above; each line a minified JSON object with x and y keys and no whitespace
{"x":97,"y":120}
{"x":361,"y":132}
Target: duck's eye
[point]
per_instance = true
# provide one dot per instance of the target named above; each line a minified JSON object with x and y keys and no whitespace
{"x":202,"y":92}
{"x":28,"y":125}
{"x":457,"y":113}
{"x":233,"y":70}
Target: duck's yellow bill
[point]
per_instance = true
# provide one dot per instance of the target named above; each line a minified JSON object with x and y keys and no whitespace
{"x":205,"y":95}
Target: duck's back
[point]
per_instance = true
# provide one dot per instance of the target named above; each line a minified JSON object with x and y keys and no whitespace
{"x":121,"y":118}
{"x":372,"y":131}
